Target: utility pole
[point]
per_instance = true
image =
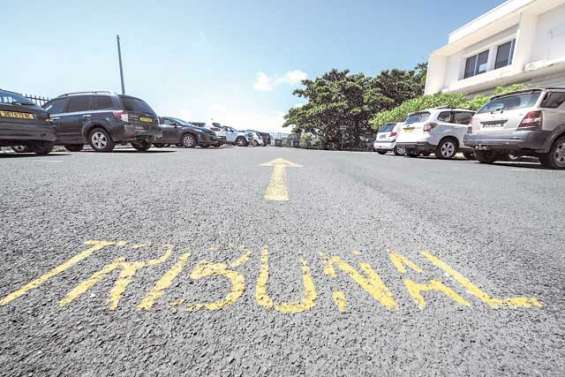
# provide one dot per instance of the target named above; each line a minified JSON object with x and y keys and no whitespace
{"x":121,"y":67}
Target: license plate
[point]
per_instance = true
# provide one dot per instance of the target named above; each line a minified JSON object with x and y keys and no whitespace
{"x":408,"y":130}
{"x":146,"y":119}
{"x":494,"y":124}
{"x":16,"y":115}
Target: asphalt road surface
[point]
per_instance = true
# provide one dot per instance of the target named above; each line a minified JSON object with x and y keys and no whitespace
{"x":206,"y":263}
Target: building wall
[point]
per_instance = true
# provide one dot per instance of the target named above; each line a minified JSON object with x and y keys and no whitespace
{"x":550,"y":35}
{"x":540,"y":39}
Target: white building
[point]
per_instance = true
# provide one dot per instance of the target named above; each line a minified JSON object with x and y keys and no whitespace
{"x":520,"y":41}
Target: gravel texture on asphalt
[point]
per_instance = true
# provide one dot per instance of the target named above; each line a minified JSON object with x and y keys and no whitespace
{"x":501,"y":226}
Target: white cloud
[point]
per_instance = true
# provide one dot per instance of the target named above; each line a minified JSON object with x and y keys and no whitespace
{"x":265,"y":83}
{"x":246,"y":119}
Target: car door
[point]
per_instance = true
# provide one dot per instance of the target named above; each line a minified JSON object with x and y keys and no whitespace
{"x":231,"y":135}
{"x":56,"y":109}
{"x":169,"y":131}
{"x":70,"y":122}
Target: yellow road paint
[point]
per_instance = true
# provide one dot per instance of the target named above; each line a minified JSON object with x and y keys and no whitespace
{"x":472,"y":289}
{"x":164,"y":283}
{"x":242,"y":259}
{"x":400,"y":262}
{"x":415,"y":290}
{"x":277,"y":190}
{"x":340,"y":301}
{"x":128,"y":271}
{"x":93,"y":247}
{"x":370,"y":281}
{"x":262,"y":292}
{"x":236,"y":279}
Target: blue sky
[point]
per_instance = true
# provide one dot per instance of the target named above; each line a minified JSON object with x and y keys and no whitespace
{"x":234,"y":61}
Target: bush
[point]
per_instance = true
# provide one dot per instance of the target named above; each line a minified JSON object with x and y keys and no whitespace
{"x":454,"y":100}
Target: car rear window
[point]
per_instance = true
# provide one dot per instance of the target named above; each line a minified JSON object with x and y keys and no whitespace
{"x":9,"y":98}
{"x":511,"y":102}
{"x":136,"y":105}
{"x":387,"y":127}
{"x":418,"y":117}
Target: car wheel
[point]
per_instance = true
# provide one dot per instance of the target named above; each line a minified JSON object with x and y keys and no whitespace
{"x":188,"y":141}
{"x":74,"y":147}
{"x":412,"y":153}
{"x":399,"y":151}
{"x":447,"y":149}
{"x":469,"y":155}
{"x":381,"y":152}
{"x":240,"y":141}
{"x":42,"y":148}
{"x":21,"y":149}
{"x":100,"y":140}
{"x":142,"y":146}
{"x":486,"y":157}
{"x":555,"y":159}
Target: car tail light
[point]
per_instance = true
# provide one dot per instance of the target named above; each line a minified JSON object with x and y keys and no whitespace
{"x":533,"y":119}
{"x":393,"y":134}
{"x":429,"y":126}
{"x":121,"y":115}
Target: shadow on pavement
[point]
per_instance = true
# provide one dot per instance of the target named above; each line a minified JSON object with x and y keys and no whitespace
{"x":31,"y":155}
{"x":127,"y":151}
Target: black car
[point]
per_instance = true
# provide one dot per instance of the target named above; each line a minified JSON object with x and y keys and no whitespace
{"x":181,"y":133}
{"x":102,"y":119}
{"x":24,"y":124}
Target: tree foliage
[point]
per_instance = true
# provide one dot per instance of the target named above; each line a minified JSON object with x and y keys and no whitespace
{"x":339,"y":104}
{"x":455,"y":100}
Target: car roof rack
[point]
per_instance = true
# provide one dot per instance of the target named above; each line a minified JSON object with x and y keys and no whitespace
{"x":87,"y":92}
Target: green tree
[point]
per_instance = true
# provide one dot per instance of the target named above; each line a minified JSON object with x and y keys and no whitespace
{"x":338,"y":105}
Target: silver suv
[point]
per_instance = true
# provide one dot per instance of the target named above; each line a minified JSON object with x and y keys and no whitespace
{"x":524,"y":123}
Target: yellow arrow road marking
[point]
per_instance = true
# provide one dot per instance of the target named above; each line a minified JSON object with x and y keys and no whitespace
{"x":277,"y":190}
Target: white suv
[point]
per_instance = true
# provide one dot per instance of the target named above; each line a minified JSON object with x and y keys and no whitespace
{"x":524,"y":123}
{"x":439,"y":131}
{"x":386,"y":139}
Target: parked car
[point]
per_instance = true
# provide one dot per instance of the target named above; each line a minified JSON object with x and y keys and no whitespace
{"x":385,"y":140}
{"x":102,"y":119}
{"x":181,"y":133}
{"x":255,"y":138}
{"x":265,"y":136}
{"x":524,"y":123}
{"x":24,"y":125}
{"x":234,"y":136}
{"x":440,"y":131}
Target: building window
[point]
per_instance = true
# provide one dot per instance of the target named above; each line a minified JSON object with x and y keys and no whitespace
{"x":504,"y":54}
{"x":476,"y":64}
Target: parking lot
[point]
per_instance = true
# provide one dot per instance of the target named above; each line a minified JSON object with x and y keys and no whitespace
{"x":279,"y":261}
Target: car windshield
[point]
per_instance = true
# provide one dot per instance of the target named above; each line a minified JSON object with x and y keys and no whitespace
{"x":511,"y":102}
{"x":182,"y":122}
{"x":417,"y":117}
{"x":14,"y":98}
{"x":387,"y":127}
{"x":136,"y":105}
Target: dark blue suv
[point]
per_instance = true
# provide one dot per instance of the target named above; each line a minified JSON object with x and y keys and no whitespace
{"x":102,"y":119}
